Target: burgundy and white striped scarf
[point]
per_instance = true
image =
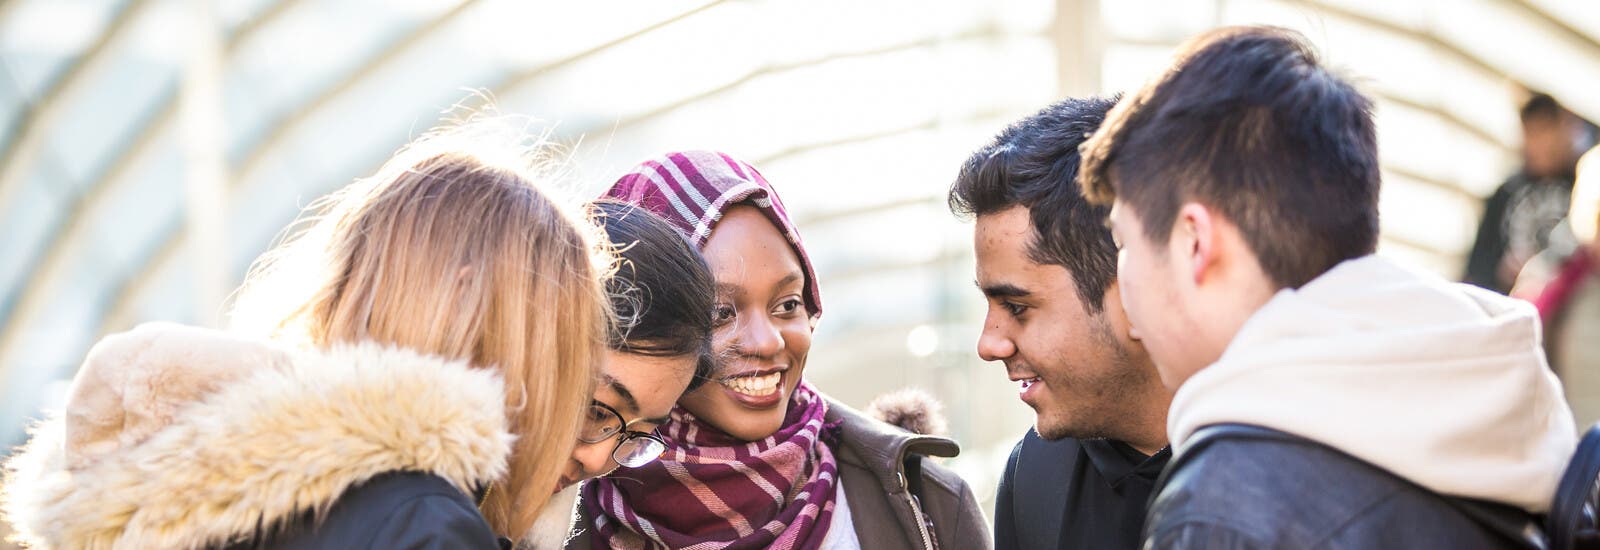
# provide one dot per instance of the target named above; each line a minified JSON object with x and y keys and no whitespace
{"x":711,"y":491}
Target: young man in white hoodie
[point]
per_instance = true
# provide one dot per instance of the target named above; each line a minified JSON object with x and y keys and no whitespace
{"x":1325,"y":397}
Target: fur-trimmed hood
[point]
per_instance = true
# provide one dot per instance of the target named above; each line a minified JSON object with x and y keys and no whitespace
{"x":162,"y":446}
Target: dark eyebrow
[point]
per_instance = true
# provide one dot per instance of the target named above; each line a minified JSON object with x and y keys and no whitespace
{"x":786,"y":281}
{"x":726,"y":289}
{"x":627,"y":396}
{"x":1004,"y":290}
{"x":632,"y":404}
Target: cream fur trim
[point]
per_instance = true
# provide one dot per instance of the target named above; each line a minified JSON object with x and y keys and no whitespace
{"x":556,"y":521}
{"x":264,"y":450}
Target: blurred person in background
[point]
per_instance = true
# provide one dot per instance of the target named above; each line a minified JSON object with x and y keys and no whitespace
{"x":1523,"y":216}
{"x":1570,"y":303}
{"x":659,"y":347}
{"x":1326,"y":397}
{"x":410,"y":370}
{"x":758,"y":458}
{"x":1046,"y":263}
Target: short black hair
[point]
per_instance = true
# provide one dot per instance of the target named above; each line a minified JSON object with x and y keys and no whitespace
{"x":1248,"y":121}
{"x":1033,"y":163}
{"x":662,"y":290}
{"x":1541,"y":105}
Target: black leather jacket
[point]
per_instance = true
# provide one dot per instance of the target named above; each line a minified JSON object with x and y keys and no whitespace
{"x":1248,"y":487}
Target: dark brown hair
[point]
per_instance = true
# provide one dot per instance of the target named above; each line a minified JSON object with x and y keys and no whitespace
{"x":1033,"y":163}
{"x":1247,"y":121}
{"x":662,"y":290}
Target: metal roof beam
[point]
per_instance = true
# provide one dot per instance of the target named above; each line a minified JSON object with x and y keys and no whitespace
{"x":28,"y":134}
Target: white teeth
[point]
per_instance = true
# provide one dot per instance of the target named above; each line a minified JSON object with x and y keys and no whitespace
{"x":1029,"y":382}
{"x":754,"y":386}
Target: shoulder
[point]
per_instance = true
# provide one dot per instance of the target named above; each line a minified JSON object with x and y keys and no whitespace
{"x":1251,"y":477}
{"x":1247,"y":478}
{"x":936,"y":476}
{"x":396,"y":491}
{"x":397,"y":510}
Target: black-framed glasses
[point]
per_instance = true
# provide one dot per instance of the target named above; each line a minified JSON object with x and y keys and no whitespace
{"x":635,"y":449}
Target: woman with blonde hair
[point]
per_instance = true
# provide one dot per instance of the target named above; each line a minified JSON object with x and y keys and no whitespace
{"x":408,"y":370}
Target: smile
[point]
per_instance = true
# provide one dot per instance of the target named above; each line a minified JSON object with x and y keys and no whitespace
{"x":754,"y":385}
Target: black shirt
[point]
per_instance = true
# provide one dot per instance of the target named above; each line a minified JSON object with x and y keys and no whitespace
{"x":1074,"y":494}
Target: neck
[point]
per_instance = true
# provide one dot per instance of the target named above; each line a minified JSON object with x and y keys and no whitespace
{"x":1152,"y":436}
{"x":1148,"y":433}
{"x":1148,"y":449}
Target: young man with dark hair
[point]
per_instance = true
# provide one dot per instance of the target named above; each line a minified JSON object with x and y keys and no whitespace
{"x":1047,"y":265}
{"x":1326,"y":397}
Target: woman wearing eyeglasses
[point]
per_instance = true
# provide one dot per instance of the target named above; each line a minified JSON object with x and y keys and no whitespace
{"x":660,"y":347}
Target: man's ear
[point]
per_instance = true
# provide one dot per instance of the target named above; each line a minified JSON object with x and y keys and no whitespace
{"x":1197,"y":230}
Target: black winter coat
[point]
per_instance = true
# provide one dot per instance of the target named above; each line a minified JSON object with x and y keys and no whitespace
{"x":395,"y":510}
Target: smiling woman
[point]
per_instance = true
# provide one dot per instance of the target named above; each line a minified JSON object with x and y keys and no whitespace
{"x":760,"y":458}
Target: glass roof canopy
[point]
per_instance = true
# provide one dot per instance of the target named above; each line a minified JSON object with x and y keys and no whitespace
{"x":859,"y":112}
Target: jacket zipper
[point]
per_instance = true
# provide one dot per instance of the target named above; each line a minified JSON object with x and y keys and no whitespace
{"x":916,"y":513}
{"x":922,"y":522}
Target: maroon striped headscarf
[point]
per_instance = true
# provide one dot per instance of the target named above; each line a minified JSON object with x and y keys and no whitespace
{"x":711,"y":491}
{"x":692,"y":189}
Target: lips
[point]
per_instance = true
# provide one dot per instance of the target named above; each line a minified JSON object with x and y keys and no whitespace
{"x":760,"y":389}
{"x":1030,"y":386}
{"x":754,"y":386}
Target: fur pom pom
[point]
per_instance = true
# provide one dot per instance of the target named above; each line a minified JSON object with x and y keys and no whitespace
{"x":911,"y":409}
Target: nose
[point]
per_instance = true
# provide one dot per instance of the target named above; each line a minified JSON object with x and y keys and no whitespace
{"x":993,"y":345}
{"x":591,"y":460}
{"x":761,"y":338}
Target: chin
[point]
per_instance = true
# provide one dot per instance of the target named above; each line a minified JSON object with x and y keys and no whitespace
{"x":742,"y":423}
{"x":1051,"y":428}
{"x":750,"y":429}
{"x":1051,"y":433}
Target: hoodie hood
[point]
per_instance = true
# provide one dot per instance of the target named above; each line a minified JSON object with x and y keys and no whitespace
{"x":1443,"y":384}
{"x":258,"y":452}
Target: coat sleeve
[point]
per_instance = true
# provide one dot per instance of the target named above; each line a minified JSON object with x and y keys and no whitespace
{"x":1005,"y":533}
{"x":433,"y":522}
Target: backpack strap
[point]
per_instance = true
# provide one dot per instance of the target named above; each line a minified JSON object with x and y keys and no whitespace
{"x":1572,"y":522}
{"x":1042,"y":476}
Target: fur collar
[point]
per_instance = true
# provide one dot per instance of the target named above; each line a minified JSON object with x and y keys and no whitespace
{"x":262,"y":451}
